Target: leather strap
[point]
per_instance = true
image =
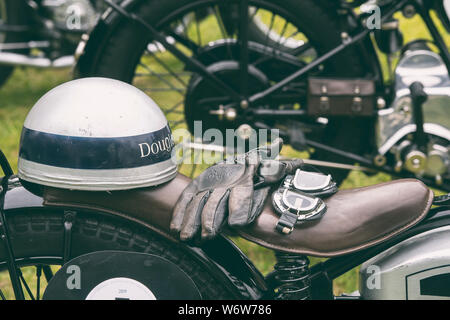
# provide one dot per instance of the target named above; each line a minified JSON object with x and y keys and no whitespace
{"x":287,"y":222}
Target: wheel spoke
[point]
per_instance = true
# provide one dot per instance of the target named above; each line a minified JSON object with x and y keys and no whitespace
{"x":283,"y":31}
{"x":302,"y":49}
{"x":173,"y":124}
{"x":272,"y":20}
{"x":253,"y":15}
{"x":151,"y":72}
{"x":165,"y":74}
{"x":48,"y":273}
{"x":223,"y":31}
{"x":197,"y":27}
{"x":25,"y":284}
{"x":293,"y":34}
{"x":38,"y":281}
{"x":180,"y":90}
{"x":188,"y":43}
{"x":173,"y":108}
{"x":169,"y":70}
{"x":219,"y":21}
{"x":192,"y":45}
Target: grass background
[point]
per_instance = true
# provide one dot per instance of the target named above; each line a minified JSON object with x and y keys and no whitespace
{"x":27,"y":85}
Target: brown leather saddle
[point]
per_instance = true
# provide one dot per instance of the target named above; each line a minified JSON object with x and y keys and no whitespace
{"x":355,"y":219}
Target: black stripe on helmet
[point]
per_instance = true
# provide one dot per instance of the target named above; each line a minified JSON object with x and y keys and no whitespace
{"x":96,"y":153}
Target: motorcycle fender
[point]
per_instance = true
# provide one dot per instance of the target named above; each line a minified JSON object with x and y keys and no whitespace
{"x":220,"y":257}
{"x":90,"y":47}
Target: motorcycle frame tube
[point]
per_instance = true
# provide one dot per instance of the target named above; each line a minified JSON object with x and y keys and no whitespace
{"x":4,"y":165}
{"x":424,"y":12}
{"x":220,"y":257}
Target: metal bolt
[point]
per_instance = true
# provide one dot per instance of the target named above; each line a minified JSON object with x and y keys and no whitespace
{"x":406,"y":109}
{"x":219,"y":113}
{"x":231,"y":114}
{"x":409,"y":11}
{"x":345,"y":37}
{"x":379,"y":160}
{"x":244,"y":104}
{"x":381,"y":103}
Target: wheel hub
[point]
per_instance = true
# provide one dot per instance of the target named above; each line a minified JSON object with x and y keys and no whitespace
{"x":206,"y":103}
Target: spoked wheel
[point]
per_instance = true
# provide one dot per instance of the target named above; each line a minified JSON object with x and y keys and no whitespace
{"x":283,"y":37}
{"x":38,"y":244}
{"x":33,"y":277}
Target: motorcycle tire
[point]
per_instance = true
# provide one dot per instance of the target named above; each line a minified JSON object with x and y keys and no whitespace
{"x":35,"y":237}
{"x":120,"y":53}
{"x":14,"y":15}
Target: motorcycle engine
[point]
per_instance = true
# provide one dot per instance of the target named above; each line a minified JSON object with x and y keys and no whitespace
{"x":396,"y":126}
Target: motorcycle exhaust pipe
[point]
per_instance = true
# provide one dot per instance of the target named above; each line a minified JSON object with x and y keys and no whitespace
{"x":15,"y":59}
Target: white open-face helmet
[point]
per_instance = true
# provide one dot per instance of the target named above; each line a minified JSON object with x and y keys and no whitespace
{"x":96,"y":134}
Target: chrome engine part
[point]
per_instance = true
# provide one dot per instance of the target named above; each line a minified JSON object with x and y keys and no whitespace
{"x":396,"y":125}
{"x":417,"y":268}
{"x":72,"y":15}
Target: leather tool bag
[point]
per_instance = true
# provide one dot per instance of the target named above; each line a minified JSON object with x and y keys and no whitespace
{"x":341,"y":97}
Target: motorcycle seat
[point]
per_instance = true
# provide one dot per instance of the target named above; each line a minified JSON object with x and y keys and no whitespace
{"x":355,"y":219}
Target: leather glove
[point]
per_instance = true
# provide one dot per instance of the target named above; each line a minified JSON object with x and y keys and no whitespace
{"x":228,"y":188}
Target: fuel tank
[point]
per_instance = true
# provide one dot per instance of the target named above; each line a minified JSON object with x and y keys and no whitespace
{"x":415,"y":269}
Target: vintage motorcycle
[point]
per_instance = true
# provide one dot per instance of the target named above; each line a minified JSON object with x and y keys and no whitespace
{"x":43,"y":33}
{"x":311,"y":70}
{"x":120,"y":241}
{"x":98,"y":193}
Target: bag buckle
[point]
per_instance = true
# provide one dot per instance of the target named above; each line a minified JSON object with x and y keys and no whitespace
{"x":324,"y":104}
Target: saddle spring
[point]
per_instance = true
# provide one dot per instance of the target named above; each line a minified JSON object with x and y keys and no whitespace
{"x":292,"y":274}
